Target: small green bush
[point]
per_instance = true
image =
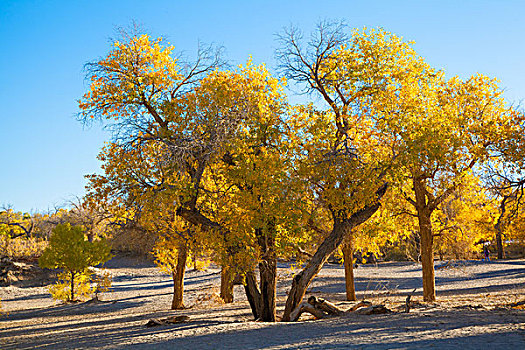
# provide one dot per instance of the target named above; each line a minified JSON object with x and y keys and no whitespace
{"x":69,"y":250}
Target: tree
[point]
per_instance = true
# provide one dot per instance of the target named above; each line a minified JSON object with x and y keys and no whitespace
{"x":143,"y":90}
{"x":131,"y":186}
{"x":463,"y":220}
{"x":347,"y":159}
{"x":171,"y":255}
{"x":444,"y":129}
{"x":506,"y":184}
{"x":214,"y":134}
{"x":22,"y":235}
{"x":15,"y":224}
{"x":69,"y":250}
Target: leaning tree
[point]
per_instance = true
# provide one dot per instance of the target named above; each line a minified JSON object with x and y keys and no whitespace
{"x":342,"y":156}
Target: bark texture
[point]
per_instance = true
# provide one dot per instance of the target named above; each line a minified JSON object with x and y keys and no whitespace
{"x":253,"y":294}
{"x":267,"y":273}
{"x":348,"y":258}
{"x":227,"y":284}
{"x":178,"y":279}
{"x":424,"y":211}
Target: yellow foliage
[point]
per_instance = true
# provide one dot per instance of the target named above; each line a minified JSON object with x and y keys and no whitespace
{"x":102,"y":282}
{"x":166,"y":253}
{"x":463,"y":221}
{"x":22,"y":248}
{"x":62,"y":289}
{"x":220,"y":163}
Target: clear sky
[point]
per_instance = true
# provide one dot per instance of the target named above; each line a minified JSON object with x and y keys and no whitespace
{"x":45,"y":152}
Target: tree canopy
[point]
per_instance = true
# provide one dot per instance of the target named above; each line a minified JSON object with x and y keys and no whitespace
{"x":204,"y":155}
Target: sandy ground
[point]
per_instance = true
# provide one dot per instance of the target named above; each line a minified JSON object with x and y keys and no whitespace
{"x":472,"y":312}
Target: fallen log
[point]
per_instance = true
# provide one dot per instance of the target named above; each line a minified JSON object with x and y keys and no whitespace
{"x":359,"y":305}
{"x":318,"y":307}
{"x":325,"y":305}
{"x":306,"y":307}
{"x":373,"y":310}
{"x":168,"y":320}
{"x":321,"y":308}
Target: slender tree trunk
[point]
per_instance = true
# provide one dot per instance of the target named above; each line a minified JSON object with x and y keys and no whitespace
{"x":253,"y":294}
{"x":348,"y":258}
{"x":427,"y":241}
{"x":499,"y":229}
{"x":340,"y":228}
{"x":227,"y":284}
{"x":427,"y":262}
{"x":499,"y":243}
{"x":178,"y":278}
{"x":72,"y":286}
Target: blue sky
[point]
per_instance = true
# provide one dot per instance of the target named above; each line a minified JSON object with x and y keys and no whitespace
{"x":45,"y":152}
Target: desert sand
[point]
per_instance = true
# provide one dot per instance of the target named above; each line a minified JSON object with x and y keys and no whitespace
{"x":473,"y":311}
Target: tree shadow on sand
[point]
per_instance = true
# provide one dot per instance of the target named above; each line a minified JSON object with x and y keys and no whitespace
{"x":406,"y":331}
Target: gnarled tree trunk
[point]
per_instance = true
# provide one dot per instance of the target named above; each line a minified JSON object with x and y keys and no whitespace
{"x":340,"y":228}
{"x":178,"y":278}
{"x":267,"y":272}
{"x":262,"y":297}
{"x":302,"y":280}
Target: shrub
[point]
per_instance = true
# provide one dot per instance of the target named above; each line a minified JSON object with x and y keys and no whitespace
{"x":69,"y":250}
{"x":22,"y":248}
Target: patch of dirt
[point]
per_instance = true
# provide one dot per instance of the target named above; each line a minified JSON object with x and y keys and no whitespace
{"x":24,"y":274}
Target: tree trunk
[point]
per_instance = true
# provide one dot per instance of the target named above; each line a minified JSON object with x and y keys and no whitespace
{"x":499,"y":229}
{"x":178,"y":278}
{"x":427,"y":262}
{"x":427,"y":241}
{"x":301,"y":280}
{"x":348,"y":258}
{"x":340,"y":228}
{"x":195,"y":217}
{"x":499,"y":243}
{"x":72,"y":286}
{"x":227,"y":284}
{"x":253,"y":294}
{"x":267,"y":272}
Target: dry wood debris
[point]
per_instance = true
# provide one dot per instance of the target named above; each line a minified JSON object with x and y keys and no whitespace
{"x":168,"y":320}
{"x":322,"y":308}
